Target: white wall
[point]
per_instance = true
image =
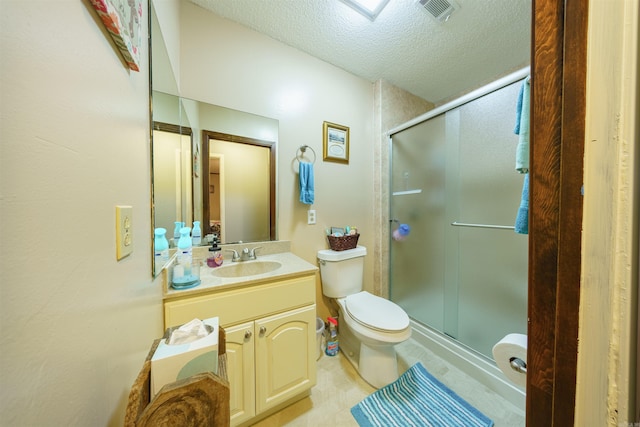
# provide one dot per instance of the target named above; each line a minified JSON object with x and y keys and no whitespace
{"x":608,"y":294}
{"x":168,"y":15}
{"x":225,"y":64}
{"x":75,"y":323}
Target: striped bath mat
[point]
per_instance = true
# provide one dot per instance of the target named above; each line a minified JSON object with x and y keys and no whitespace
{"x":417,"y":399}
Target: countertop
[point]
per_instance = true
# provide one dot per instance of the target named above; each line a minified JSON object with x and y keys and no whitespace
{"x":292,"y":266}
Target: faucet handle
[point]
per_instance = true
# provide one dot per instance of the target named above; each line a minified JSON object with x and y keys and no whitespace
{"x":235,"y":257}
{"x":252,"y":254}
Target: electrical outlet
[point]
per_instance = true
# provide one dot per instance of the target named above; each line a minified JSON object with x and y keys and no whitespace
{"x":124,"y":231}
{"x":311,"y":216}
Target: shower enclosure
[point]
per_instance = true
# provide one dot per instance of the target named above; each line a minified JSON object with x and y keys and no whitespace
{"x":462,"y":270}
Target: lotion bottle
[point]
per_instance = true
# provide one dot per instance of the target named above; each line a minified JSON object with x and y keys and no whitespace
{"x":196,"y":234}
{"x":176,"y":233}
{"x":160,"y":247}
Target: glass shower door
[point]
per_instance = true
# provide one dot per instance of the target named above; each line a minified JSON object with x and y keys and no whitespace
{"x":418,"y":178}
{"x":492,"y":261}
{"x":463,"y":270}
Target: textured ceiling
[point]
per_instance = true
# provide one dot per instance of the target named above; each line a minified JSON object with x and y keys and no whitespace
{"x":405,"y":45}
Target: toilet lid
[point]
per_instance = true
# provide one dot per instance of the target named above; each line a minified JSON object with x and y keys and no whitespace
{"x":376,"y":313}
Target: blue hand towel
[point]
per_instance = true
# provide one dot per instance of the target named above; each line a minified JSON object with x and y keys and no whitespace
{"x":522,"y":218}
{"x":522,"y":150}
{"x":516,"y":129}
{"x":305,"y":173}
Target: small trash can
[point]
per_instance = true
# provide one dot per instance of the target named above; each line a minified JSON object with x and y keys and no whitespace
{"x":319,"y":335}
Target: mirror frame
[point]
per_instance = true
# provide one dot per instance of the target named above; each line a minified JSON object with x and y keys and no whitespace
{"x":207,"y":136}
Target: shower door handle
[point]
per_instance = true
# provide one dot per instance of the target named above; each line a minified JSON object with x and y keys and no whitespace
{"x":466,"y":224}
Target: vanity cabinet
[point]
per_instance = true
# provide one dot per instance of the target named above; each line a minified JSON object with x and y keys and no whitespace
{"x":241,"y":362}
{"x":270,"y":341}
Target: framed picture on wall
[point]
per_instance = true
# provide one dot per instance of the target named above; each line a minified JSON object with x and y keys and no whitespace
{"x":123,"y":21}
{"x":335,"y":145}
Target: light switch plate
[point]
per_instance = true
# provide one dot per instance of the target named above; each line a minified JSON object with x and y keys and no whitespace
{"x":124,"y":231}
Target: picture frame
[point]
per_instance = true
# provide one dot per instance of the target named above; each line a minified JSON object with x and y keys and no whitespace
{"x":123,"y":21}
{"x":335,"y":143}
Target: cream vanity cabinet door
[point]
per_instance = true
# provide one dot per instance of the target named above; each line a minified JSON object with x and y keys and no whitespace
{"x":285,"y":356}
{"x":240,"y":371}
{"x":271,"y":340}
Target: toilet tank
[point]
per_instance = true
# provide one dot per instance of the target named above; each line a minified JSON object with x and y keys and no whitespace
{"x":341,"y":272}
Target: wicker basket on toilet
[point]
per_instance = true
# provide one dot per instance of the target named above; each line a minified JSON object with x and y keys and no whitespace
{"x":342,"y":243}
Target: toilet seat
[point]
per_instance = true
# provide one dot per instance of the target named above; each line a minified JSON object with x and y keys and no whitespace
{"x":376,"y":313}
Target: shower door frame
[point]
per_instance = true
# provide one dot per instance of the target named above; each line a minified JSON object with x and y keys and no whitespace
{"x":558,"y":110}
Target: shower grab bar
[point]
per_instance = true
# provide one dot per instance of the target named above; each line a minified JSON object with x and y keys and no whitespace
{"x":465,"y":224}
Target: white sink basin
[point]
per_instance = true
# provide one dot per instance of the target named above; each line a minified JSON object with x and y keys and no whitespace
{"x":246,"y":268}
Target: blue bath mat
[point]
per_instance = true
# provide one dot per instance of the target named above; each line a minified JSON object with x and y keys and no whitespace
{"x":417,"y":399}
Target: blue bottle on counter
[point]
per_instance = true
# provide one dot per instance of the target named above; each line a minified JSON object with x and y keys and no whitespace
{"x":176,"y":233}
{"x":196,"y":234}
{"x":185,"y":273}
{"x":160,"y":247}
{"x":185,"y":250}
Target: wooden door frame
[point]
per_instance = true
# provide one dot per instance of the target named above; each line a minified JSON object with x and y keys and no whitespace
{"x":558,"y":94}
{"x":208,"y":136}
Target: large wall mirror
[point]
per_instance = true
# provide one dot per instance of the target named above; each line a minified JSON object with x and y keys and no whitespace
{"x":210,"y":164}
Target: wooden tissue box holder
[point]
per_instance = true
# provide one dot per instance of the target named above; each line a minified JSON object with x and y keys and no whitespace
{"x":201,"y":400}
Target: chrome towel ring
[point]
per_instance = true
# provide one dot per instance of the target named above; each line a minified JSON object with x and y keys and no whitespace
{"x":302,"y":150}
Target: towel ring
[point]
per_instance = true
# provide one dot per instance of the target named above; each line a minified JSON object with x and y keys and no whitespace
{"x":302,"y":149}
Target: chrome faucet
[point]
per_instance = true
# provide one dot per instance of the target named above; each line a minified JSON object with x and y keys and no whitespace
{"x":252,"y":254}
{"x":246,"y":254}
{"x":235,"y":257}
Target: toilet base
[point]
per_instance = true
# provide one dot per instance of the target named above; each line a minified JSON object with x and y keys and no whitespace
{"x":377,"y":365}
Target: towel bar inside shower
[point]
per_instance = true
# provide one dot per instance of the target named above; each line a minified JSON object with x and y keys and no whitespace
{"x":466,"y":224}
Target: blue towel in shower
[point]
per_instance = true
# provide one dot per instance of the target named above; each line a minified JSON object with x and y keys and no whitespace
{"x":305,"y":173}
{"x":522,"y":218}
{"x":516,"y":129}
{"x":522,"y":127}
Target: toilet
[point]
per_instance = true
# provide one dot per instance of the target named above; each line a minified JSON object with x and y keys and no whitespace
{"x":369,"y":326}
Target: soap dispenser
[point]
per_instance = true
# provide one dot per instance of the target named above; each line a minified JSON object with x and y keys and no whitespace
{"x":215,"y":254}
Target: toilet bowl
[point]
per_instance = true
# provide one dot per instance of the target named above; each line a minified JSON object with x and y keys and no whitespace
{"x":369,"y":329}
{"x":369,"y":326}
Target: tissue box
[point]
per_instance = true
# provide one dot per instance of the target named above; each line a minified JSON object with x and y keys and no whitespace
{"x":174,"y":362}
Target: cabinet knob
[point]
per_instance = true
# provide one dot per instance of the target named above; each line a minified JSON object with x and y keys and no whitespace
{"x":263,"y":330}
{"x":247,"y":335}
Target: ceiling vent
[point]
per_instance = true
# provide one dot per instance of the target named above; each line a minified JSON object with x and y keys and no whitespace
{"x":441,"y":10}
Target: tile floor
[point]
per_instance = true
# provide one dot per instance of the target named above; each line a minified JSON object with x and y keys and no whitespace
{"x":339,"y":388}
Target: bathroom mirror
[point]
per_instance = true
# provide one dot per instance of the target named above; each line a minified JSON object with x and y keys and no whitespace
{"x":209,"y":163}
{"x":215,"y":171}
